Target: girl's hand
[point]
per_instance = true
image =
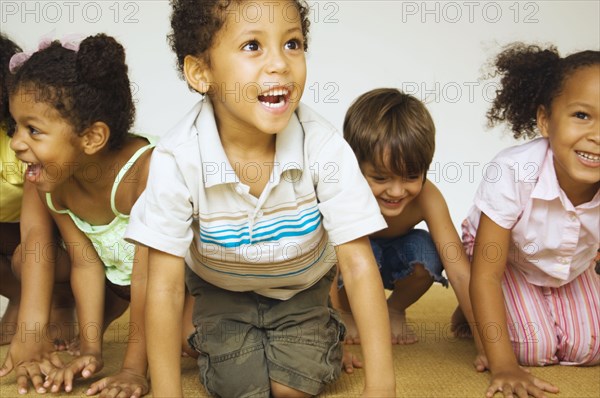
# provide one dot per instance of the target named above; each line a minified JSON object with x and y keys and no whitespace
{"x":125,"y":383}
{"x":30,"y":362}
{"x":518,"y":383}
{"x":85,"y":365}
{"x":350,"y":361}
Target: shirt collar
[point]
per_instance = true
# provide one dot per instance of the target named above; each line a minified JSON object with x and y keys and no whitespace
{"x":547,"y":187}
{"x":216,"y":169}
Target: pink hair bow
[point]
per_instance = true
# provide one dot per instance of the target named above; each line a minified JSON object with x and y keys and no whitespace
{"x":70,"y":42}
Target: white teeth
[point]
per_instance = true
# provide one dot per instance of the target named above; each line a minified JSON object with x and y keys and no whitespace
{"x":589,"y":156}
{"x":273,"y":105}
{"x":276,"y":92}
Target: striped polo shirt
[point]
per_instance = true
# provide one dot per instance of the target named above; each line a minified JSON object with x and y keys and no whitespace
{"x":276,"y":245}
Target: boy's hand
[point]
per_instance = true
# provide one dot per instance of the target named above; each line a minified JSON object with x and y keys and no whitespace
{"x":125,"y":383}
{"x":85,"y":365}
{"x":350,"y":361}
{"x":30,"y":362}
{"x":481,"y":363}
{"x":518,"y":383}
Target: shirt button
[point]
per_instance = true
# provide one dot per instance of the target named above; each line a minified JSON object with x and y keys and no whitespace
{"x":259,"y":214}
{"x":572,"y":217}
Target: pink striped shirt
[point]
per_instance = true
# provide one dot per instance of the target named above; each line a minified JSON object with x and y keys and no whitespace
{"x":552,"y":241}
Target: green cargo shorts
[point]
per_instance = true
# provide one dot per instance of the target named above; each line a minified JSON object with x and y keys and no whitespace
{"x":245,"y":340}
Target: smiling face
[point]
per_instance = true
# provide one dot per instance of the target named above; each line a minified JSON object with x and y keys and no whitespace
{"x":43,"y":140}
{"x":392,"y":192}
{"x":573,"y":130}
{"x":257,"y":68}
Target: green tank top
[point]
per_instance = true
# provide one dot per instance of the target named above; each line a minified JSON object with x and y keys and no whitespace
{"x":116,"y":253}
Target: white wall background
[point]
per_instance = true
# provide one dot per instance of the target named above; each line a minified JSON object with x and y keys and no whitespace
{"x":432,"y":49}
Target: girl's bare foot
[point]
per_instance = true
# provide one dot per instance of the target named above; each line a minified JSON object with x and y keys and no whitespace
{"x":402,"y":333}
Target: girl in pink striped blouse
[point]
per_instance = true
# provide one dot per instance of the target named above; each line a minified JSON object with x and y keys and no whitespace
{"x":533,"y":229}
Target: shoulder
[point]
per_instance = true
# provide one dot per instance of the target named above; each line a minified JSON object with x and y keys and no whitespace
{"x":430,"y":200}
{"x":519,"y":162}
{"x":317,"y":130}
{"x":183,"y":135}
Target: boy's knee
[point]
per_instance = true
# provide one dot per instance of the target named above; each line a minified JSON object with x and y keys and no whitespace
{"x":421,"y":273}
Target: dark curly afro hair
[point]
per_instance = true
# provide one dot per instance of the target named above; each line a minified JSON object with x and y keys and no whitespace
{"x":85,"y":87}
{"x":531,"y":76}
{"x":7,"y":49}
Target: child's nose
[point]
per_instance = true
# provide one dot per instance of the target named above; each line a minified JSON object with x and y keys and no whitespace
{"x":277,"y":62}
{"x":17,"y":143}
{"x":396,"y":189}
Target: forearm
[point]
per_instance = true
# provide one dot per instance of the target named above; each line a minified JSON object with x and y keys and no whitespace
{"x":459,"y":275}
{"x":87,"y":283}
{"x":163,"y":321}
{"x":369,"y":308}
{"x":489,"y":311}
{"x":136,"y":358}
{"x":164,"y":313}
{"x":36,"y":257}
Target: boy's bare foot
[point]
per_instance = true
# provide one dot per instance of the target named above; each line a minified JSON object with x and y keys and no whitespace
{"x":8,"y":323}
{"x":459,"y":325}
{"x":402,"y":333}
{"x":351,"y":329}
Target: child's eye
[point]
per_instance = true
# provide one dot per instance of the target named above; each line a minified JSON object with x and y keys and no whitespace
{"x":413,"y":177}
{"x":251,"y":46}
{"x":581,"y":115}
{"x":378,"y":178}
{"x":33,"y":130}
{"x":294,"y":44}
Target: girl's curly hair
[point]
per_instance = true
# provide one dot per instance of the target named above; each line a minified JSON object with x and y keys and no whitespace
{"x":531,"y":76}
{"x":7,"y":49}
{"x":85,"y":87}
{"x":195,"y":23}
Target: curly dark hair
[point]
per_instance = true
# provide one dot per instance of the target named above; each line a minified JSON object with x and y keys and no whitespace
{"x":531,"y":76}
{"x":195,"y":23}
{"x":7,"y":49}
{"x":85,"y":87}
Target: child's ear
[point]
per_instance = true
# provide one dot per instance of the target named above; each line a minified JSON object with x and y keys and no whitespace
{"x":542,"y":120}
{"x":95,"y":138}
{"x":196,"y":73}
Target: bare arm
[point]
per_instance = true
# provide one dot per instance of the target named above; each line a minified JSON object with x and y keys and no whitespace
{"x":131,"y":380}
{"x":36,"y":260}
{"x":452,"y":254}
{"x":164,"y":311}
{"x":489,"y":263}
{"x":367,"y":300}
{"x":87,"y":283}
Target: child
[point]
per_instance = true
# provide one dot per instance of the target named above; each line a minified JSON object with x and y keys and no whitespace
{"x":249,"y":187}
{"x":533,"y":230}
{"x":73,"y":110}
{"x":393,"y":138}
{"x":11,"y":192}
{"x":28,"y":227}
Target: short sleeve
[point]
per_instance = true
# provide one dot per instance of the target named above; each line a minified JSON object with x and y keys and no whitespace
{"x":503,"y":192}
{"x":161,"y":218}
{"x":345,"y":199}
